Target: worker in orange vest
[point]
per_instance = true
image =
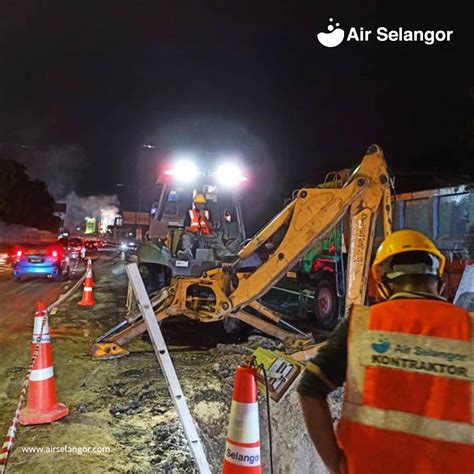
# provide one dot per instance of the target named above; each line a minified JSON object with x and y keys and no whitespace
{"x":196,"y":224}
{"x":408,"y":369}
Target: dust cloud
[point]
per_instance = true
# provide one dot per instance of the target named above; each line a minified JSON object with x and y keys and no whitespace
{"x":80,"y":207}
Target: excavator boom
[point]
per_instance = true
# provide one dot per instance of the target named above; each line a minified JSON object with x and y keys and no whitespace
{"x":228,"y":292}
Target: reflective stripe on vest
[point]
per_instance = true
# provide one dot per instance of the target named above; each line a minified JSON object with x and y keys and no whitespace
{"x":411,"y":424}
{"x":198,"y":224}
{"x":406,"y":353}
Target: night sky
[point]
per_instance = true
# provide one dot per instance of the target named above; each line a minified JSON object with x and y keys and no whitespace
{"x":232,"y":76}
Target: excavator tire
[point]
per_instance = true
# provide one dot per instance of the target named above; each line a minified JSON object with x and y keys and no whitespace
{"x":326,"y":303}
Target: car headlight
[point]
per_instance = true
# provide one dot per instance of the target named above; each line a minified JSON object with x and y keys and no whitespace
{"x":123,"y":246}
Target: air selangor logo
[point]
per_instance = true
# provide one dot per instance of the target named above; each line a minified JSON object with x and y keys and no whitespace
{"x":332,"y":39}
{"x":383,"y":34}
{"x":382,"y":346}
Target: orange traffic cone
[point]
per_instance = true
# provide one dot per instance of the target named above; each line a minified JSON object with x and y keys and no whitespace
{"x":242,"y":448}
{"x":89,"y":271}
{"x":87,"y":294}
{"x":42,"y":405}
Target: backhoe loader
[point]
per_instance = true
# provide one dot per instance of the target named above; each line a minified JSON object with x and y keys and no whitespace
{"x":233,"y":292}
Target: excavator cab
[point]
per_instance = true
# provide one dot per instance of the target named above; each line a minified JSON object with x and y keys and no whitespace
{"x":178,"y":183}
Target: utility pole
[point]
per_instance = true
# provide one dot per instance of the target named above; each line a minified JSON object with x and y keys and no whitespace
{"x":140,"y":190}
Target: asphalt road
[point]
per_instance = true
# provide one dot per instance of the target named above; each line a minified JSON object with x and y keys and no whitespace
{"x":18,"y":300}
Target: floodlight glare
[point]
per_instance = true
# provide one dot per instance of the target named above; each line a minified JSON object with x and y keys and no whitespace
{"x":229,"y":174}
{"x":183,"y":170}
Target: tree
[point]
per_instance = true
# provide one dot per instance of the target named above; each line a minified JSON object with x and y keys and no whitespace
{"x":23,"y":200}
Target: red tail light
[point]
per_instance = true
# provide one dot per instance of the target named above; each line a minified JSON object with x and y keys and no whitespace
{"x":54,"y":253}
{"x":19,"y":253}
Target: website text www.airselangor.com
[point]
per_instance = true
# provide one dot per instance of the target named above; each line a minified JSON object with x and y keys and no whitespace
{"x":66,"y":449}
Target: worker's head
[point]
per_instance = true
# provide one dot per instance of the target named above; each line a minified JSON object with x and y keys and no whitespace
{"x":199,"y":201}
{"x":407,"y":260}
{"x":227,"y":216}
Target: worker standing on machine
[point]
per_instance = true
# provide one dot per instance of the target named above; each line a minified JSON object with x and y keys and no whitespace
{"x":407,"y":364}
{"x":197,"y":225}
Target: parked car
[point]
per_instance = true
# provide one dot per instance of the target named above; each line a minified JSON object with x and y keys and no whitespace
{"x":40,"y":260}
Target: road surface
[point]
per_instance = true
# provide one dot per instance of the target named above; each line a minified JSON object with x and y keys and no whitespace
{"x":18,"y":300}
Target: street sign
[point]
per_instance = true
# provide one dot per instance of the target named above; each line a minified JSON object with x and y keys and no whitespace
{"x":136,"y":218}
{"x":90,"y":225}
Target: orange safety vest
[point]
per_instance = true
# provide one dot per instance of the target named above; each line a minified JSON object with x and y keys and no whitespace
{"x":409,"y":389}
{"x":198,"y":223}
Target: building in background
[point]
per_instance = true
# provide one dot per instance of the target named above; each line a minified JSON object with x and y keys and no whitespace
{"x":108,"y":218}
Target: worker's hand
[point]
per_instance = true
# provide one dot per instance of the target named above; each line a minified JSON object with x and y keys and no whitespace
{"x":188,"y":229}
{"x":343,"y":464}
{"x":340,"y":466}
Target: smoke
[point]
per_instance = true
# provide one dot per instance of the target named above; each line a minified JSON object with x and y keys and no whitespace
{"x":78,"y":208}
{"x":57,"y":166}
{"x":26,"y":138}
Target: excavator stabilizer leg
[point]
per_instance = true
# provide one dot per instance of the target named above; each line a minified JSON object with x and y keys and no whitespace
{"x":291,"y":339}
{"x":107,"y":351}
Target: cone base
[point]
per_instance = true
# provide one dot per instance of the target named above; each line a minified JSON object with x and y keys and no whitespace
{"x":36,"y":417}
{"x":87,"y":303}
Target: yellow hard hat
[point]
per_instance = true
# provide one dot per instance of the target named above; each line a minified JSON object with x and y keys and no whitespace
{"x":199,"y":199}
{"x":403,"y":241}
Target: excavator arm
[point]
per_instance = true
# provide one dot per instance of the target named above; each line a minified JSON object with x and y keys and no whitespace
{"x":227,"y":292}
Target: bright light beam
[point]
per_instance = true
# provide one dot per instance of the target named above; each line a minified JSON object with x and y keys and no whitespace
{"x":183,"y":170}
{"x":229,"y":174}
